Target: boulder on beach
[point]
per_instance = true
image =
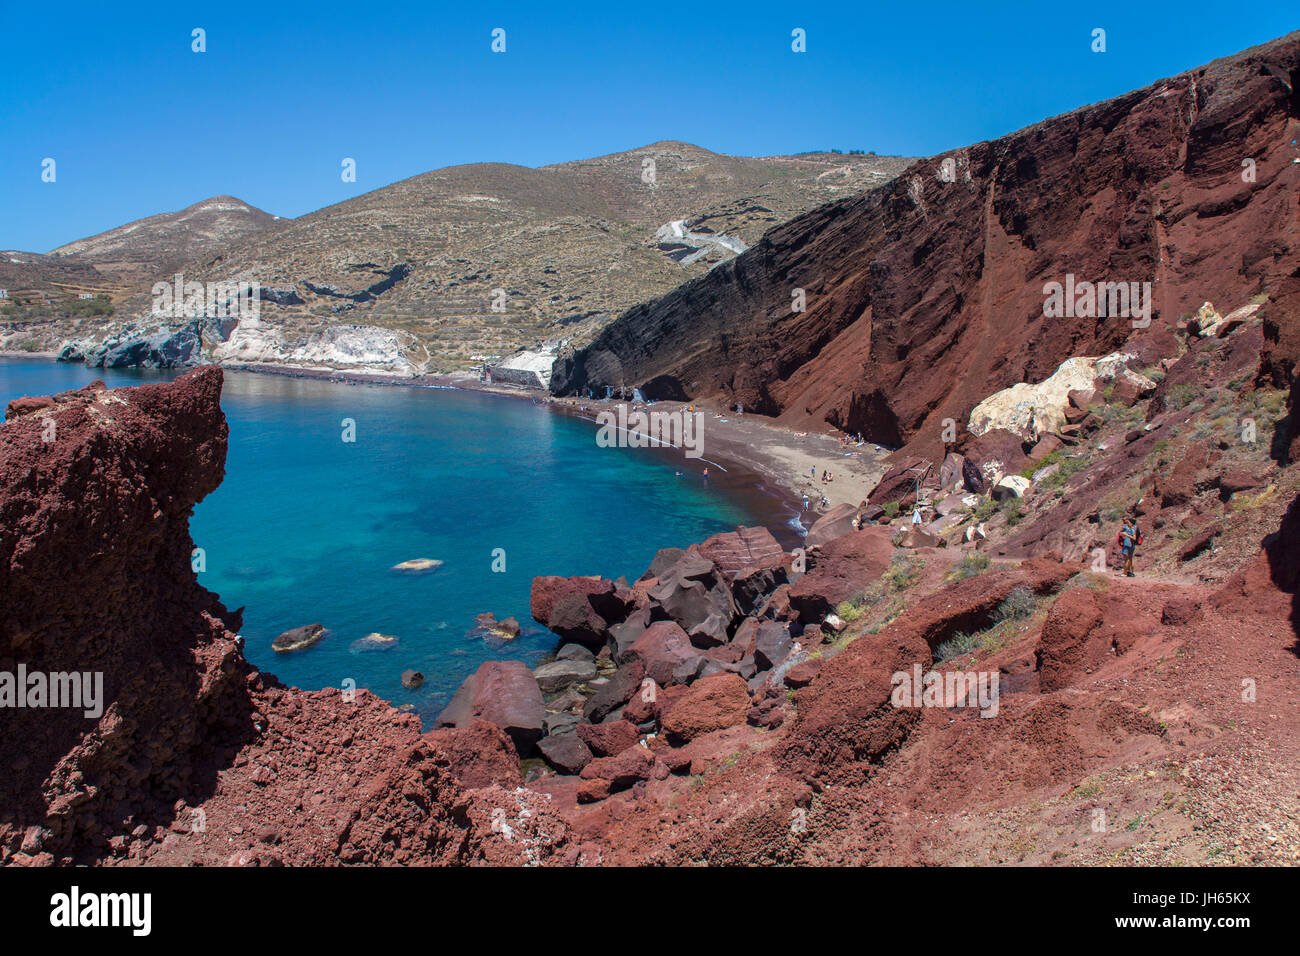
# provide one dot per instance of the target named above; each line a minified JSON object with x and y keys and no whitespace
{"x":578,"y":609}
{"x":559,"y":674}
{"x":298,"y":638}
{"x":416,"y":565}
{"x":566,"y":752}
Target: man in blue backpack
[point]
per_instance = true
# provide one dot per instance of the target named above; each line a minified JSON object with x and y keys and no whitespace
{"x":1128,"y":539}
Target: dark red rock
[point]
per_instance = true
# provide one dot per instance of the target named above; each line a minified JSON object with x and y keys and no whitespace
{"x":841,"y":570}
{"x":565,"y":752}
{"x":835,"y":523}
{"x":667,"y":654}
{"x":802,"y":674}
{"x":609,"y":738}
{"x":480,"y":755}
{"x":504,"y":693}
{"x":712,"y":703}
{"x":578,"y":609}
{"x":615,"y":692}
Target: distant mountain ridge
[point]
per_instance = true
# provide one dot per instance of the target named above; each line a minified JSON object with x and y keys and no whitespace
{"x":172,"y":238}
{"x":439,"y":270}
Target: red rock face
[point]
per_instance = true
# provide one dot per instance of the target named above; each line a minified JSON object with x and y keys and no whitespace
{"x":925,"y":296}
{"x":95,"y":576}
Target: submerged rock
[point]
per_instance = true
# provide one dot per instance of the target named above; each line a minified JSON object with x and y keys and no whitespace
{"x":416,"y":565}
{"x":373,"y":642}
{"x":299,"y":638}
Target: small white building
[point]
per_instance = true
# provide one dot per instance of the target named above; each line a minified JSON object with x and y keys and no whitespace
{"x":85,"y":295}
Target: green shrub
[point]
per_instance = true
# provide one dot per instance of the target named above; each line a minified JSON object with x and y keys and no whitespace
{"x":970,"y":566}
{"x":1066,"y":468}
{"x":1020,"y":604}
{"x":959,"y":645}
{"x":903,"y":572}
{"x":1013,"y":510}
{"x":850,"y":611}
{"x":1180,"y":396}
{"x":891,"y":509}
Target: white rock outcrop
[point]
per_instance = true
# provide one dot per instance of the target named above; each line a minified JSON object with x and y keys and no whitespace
{"x":1031,"y":411}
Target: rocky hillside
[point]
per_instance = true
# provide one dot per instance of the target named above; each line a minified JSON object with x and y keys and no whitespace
{"x":569,"y":245}
{"x":149,"y":249}
{"x":929,"y":294}
{"x":44,"y":305}
{"x":406,"y":278}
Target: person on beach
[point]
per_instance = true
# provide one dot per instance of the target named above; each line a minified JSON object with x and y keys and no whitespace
{"x":916,"y":516}
{"x":805,"y":502}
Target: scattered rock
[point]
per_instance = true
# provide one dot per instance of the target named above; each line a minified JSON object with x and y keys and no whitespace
{"x":298,"y":639}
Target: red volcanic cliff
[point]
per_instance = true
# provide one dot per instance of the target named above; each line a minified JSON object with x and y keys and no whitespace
{"x":925,"y":296}
{"x":196,"y":756}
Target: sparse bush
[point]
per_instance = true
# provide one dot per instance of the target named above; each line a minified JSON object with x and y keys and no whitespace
{"x":903,"y":572}
{"x":970,"y":566}
{"x":1180,"y":396}
{"x":959,"y":645}
{"x":1020,"y":604}
{"x":1012,"y":509}
{"x":890,"y":509}
{"x":985,"y":508}
{"x":850,"y":611}
{"x":1066,"y":468}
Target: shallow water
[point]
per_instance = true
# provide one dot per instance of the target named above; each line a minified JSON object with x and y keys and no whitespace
{"x":306,"y":526}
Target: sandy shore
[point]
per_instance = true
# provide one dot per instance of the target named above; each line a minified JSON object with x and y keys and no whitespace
{"x":793,"y":462}
{"x":750,"y":456}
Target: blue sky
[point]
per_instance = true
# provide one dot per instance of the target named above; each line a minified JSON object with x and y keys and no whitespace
{"x":138,"y":123}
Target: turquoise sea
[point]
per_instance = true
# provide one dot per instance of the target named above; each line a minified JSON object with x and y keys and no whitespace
{"x":306,"y":527}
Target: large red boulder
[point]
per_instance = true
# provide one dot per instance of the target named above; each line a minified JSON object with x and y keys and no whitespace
{"x":742,"y":550}
{"x":1064,"y":649}
{"x":610,"y":738}
{"x":840,"y":570}
{"x":480,"y":754}
{"x":711,"y":703}
{"x":996,"y":453}
{"x":899,"y":483}
{"x":667,"y":655}
{"x":578,"y":609}
{"x":835,"y":523}
{"x":504,"y":693}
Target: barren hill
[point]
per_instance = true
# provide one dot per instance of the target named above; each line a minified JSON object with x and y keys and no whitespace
{"x":434,"y":272}
{"x":569,"y":246}
{"x":148,"y":248}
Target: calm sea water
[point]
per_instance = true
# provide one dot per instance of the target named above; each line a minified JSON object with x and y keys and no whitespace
{"x":306,"y":527}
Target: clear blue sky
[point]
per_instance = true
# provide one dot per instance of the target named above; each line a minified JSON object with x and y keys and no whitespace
{"x":139,"y":124}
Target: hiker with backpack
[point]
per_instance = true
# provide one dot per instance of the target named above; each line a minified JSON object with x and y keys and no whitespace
{"x":1128,"y":539}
